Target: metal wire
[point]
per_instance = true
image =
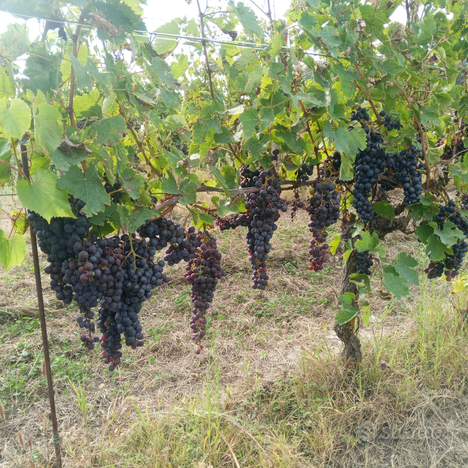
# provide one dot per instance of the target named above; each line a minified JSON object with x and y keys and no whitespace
{"x":171,"y":37}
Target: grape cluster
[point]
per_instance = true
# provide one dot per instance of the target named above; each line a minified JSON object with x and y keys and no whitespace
{"x":133,"y":281}
{"x":56,"y":239}
{"x":162,"y":232}
{"x":405,"y":166}
{"x":114,"y":190}
{"x":388,"y":121}
{"x":324,"y":211}
{"x":203,"y":272}
{"x":368,"y":165}
{"x":360,"y":114}
{"x":304,"y":171}
{"x":364,"y":262}
{"x":234,"y":221}
{"x":263,"y":212}
{"x":460,"y":152}
{"x":452,"y":263}
{"x":464,"y":200}
{"x":274,"y":155}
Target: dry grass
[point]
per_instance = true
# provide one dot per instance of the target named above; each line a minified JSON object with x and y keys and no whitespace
{"x":267,"y":392}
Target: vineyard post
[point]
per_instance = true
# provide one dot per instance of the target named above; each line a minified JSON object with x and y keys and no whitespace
{"x":45,"y":342}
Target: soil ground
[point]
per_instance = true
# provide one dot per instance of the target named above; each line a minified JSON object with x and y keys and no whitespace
{"x":259,"y":344}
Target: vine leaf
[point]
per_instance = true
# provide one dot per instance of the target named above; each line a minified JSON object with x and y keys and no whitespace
{"x":255,"y":77}
{"x":394,"y":283}
{"x":48,"y":127}
{"x":248,"y":20}
{"x":132,"y":219}
{"x":169,"y":185}
{"x":16,"y":118}
{"x":405,"y":267}
{"x":132,"y":183}
{"x":109,"y":130}
{"x":163,"y":45}
{"x":12,"y":251}
{"x":43,"y":196}
{"x":437,"y":249}
{"x":82,"y":77}
{"x":368,"y":242}
{"x":449,"y":234}
{"x":201,"y":129}
{"x":87,"y":187}
{"x":5,"y":155}
{"x":348,"y":308}
{"x":334,"y":244}
{"x":249,"y":121}
{"x":384,"y":209}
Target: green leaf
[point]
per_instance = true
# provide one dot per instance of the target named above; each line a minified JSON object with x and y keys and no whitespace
{"x":87,"y":187}
{"x":356,"y":141}
{"x":201,"y":129}
{"x":93,"y":111}
{"x":334,"y":244}
{"x":405,"y":267}
{"x":255,"y":77}
{"x":249,"y":121}
{"x":109,"y":130}
{"x":43,"y":196}
{"x":248,"y":20}
{"x":132,"y":182}
{"x":430,"y":116}
{"x":340,"y":137}
{"x":276,"y":44}
{"x":348,"y":309}
{"x":368,"y":242}
{"x":169,"y":185}
{"x":424,"y":231}
{"x":268,"y":116}
{"x":163,"y":71}
{"x":7,"y":83}
{"x":331,"y":37}
{"x":346,"y":78}
{"x":179,"y":67}
{"x":188,"y":189}
{"x":163,"y":45}
{"x":394,"y":284}
{"x":15,"y":119}
{"x":206,"y":218}
{"x":449,"y":234}
{"x":48,"y":127}
{"x":384,"y":209}
{"x":223,"y":137}
{"x":14,"y":41}
{"x":64,"y":161}
{"x":297,"y":145}
{"x":132,"y":219}
{"x":12,"y":251}
{"x":82,"y":78}
{"x":361,"y":280}
{"x":437,"y":249}
{"x":169,"y":98}
{"x":5,"y":155}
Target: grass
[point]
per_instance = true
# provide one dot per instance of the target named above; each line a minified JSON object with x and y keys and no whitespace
{"x":409,"y":389}
{"x":267,"y":391}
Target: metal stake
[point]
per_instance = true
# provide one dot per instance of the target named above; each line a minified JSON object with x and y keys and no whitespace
{"x":45,"y":342}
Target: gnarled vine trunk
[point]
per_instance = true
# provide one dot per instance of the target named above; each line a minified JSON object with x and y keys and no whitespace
{"x":347,"y":332}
